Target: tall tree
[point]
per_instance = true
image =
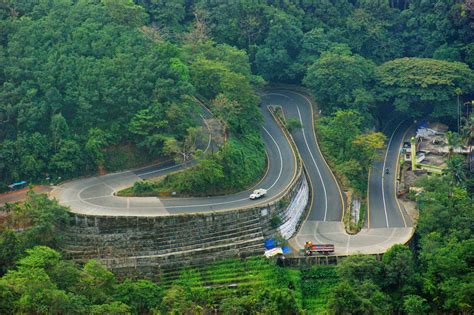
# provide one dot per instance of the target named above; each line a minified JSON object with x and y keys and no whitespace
{"x":372,"y":30}
{"x":420,"y":87}
{"x":143,"y":296}
{"x":341,"y":80}
{"x":184,"y":150}
{"x":280,"y":49}
{"x":400,"y":277}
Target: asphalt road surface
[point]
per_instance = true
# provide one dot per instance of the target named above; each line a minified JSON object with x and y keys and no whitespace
{"x":388,"y":223}
{"x":96,"y":195}
{"x":327,"y":204}
{"x":324,"y":222}
{"x":384,"y":210}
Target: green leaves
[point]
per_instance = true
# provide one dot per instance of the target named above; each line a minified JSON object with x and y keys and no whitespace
{"x":73,"y":67}
{"x":9,"y":250}
{"x":159,"y":124}
{"x":40,"y":220}
{"x":341,"y":81}
{"x":34,"y":292}
{"x":445,"y":228}
{"x":96,"y":282}
{"x":280,"y":48}
{"x":348,"y":147}
{"x":43,"y":283}
{"x":414,"y":304}
{"x":140,"y":295}
{"x":97,"y":141}
{"x":125,"y":12}
{"x":420,"y":86}
{"x":148,"y":121}
{"x":222,"y":74}
{"x":40,"y":257}
{"x":399,"y":268}
{"x":360,"y":268}
{"x":362,"y":298}
{"x":367,"y":285}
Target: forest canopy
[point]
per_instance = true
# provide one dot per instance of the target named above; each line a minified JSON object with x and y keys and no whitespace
{"x":75,"y":77}
{"x":90,"y":85}
{"x":84,"y":78}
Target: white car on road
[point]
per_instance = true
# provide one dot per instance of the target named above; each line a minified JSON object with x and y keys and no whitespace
{"x":258,"y":193}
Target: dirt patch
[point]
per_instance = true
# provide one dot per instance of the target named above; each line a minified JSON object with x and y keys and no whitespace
{"x":217,"y":131}
{"x":21,"y":195}
{"x":410,"y":207}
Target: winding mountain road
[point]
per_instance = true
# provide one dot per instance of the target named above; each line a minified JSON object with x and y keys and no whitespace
{"x":96,"y":195}
{"x":324,"y":222}
{"x":387,"y":222}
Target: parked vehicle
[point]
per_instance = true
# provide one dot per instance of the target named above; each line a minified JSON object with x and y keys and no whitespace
{"x":258,"y":193}
{"x":18,"y":185}
{"x":325,"y":249}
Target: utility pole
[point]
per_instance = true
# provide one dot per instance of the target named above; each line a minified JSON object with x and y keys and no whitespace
{"x":459,"y":115}
{"x":458,"y":92}
{"x":413,"y":153}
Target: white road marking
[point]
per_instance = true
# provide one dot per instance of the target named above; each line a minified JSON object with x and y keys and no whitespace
{"x":110,"y":187}
{"x":383,"y":172}
{"x":277,"y":94}
{"x":281,"y":158}
{"x":321,"y":154}
{"x":317,"y":167}
{"x":348,"y":245}
{"x":395,"y":233}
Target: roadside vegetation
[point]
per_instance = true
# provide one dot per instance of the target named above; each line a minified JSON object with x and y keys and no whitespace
{"x":37,"y":222}
{"x":80,"y":78}
{"x":349,"y":146}
{"x":230,"y":169}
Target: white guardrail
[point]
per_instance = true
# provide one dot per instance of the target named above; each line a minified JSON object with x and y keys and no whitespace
{"x":295,"y":210}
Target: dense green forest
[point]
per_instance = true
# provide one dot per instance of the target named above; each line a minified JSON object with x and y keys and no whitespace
{"x":87,"y":85}
{"x":94,"y":85}
{"x":83,"y":78}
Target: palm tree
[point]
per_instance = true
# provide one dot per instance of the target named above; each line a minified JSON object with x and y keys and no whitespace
{"x":456,"y":169}
{"x":467,"y":131}
{"x":454,"y":140}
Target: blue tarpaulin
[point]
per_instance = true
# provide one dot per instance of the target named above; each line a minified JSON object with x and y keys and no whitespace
{"x":286,"y":250}
{"x":422,"y":124}
{"x":269,"y":244}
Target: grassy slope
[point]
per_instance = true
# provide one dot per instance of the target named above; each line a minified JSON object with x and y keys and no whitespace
{"x":316,"y":286}
{"x":230,"y":278}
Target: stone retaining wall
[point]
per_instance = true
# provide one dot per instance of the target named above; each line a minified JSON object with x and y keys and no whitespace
{"x":146,"y":246}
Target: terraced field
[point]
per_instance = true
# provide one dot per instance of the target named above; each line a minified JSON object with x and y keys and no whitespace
{"x":235,"y":278}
